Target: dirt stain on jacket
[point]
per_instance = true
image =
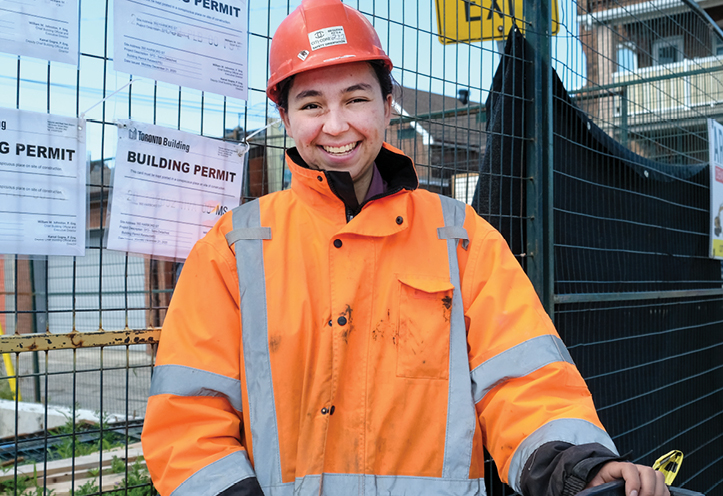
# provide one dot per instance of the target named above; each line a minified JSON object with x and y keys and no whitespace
{"x":446,"y":308}
{"x":349,"y":327}
{"x":380,"y":328}
{"x":378,"y":331}
{"x":274,"y":343}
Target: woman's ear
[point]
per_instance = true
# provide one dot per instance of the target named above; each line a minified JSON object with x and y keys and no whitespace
{"x":285,"y":119}
{"x":388,"y":110}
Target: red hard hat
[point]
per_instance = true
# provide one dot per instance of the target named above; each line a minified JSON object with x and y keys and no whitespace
{"x":321,"y":33}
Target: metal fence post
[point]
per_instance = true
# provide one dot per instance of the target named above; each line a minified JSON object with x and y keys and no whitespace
{"x":539,"y":150}
{"x":624,"y":116}
{"x":39,"y":290}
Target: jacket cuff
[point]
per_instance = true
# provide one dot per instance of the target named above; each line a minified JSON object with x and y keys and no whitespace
{"x":589,"y":467}
{"x":562,"y":469}
{"x":246,"y":487}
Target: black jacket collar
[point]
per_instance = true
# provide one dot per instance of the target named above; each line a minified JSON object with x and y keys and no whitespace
{"x":395,"y":168}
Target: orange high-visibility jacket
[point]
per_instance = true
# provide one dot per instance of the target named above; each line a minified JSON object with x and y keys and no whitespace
{"x":376,"y":355}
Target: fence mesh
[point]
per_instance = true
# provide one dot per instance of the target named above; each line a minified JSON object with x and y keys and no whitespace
{"x":634,"y":284}
{"x":635,"y":292}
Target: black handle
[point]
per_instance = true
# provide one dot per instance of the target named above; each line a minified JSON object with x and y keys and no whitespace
{"x":614,"y":488}
{"x":617,"y":488}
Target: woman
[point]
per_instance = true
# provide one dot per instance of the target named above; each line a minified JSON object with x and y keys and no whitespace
{"x":357,"y":335}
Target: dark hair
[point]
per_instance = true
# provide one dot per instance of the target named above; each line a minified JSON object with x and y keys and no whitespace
{"x":384,"y":75}
{"x":284,"y":87}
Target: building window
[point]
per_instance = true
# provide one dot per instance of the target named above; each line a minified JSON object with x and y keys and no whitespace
{"x":406,"y":133}
{"x":627,"y":58}
{"x":717,"y":46}
{"x":668,"y":50}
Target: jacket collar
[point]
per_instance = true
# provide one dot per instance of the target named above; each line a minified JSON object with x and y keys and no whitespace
{"x":314,"y":186}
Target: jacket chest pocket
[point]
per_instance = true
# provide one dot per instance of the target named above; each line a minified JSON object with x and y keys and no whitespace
{"x":425,"y":306}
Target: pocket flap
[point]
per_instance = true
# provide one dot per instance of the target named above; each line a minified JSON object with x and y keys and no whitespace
{"x":426,"y":284}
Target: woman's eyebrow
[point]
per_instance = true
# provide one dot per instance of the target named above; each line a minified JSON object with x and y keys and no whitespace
{"x":317,"y":93}
{"x":307,"y":93}
{"x":358,"y":87}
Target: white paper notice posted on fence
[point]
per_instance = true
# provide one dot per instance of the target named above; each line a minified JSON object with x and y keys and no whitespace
{"x":169,"y":189}
{"x":41,"y":29}
{"x":715,"y":163}
{"x":42,"y":184}
{"x":199,"y":44}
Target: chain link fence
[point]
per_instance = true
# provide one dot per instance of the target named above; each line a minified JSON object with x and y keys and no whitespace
{"x":586,"y":148}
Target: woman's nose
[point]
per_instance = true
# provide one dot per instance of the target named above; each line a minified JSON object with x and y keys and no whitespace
{"x":335,"y":123}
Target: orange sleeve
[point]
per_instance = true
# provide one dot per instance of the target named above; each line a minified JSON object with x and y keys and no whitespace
{"x":189,"y":427}
{"x":526,"y":388}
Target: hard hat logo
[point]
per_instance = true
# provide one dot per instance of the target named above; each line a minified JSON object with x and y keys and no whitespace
{"x":303,"y":54}
{"x":327,"y":37}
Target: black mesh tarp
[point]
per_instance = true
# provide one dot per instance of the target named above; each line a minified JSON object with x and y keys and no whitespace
{"x":622,"y":224}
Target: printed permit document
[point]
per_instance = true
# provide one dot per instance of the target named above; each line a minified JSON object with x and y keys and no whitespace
{"x":45,"y":29}
{"x":715,"y":161}
{"x":199,"y":44}
{"x":169,"y":189}
{"x":42,"y":184}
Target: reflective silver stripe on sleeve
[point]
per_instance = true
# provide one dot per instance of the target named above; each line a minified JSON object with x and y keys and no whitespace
{"x":374,"y":485}
{"x":518,"y":361}
{"x":218,"y":476}
{"x":248,"y":233}
{"x":187,"y":381}
{"x":568,"y":430}
{"x":461,"y":415}
{"x":259,"y":384}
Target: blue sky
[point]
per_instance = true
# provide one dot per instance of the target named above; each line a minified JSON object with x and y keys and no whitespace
{"x":407,"y":30}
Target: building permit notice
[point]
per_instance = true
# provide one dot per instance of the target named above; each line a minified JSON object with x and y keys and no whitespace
{"x":715,"y":163}
{"x":45,"y":29}
{"x":198,"y":44}
{"x":42,"y":184}
{"x":169,"y":189}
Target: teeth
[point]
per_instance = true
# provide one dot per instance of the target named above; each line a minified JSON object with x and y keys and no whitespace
{"x":340,"y":149}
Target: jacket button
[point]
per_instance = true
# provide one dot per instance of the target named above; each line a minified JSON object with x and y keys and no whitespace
{"x":324,"y":411}
{"x":337,"y":243}
{"x":331,"y":412}
{"x":400,"y":219}
{"x":341,"y":321}
{"x":320,"y":178}
{"x":330,"y":323}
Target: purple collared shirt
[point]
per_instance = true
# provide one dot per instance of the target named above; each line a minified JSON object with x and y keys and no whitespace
{"x":378,"y":185}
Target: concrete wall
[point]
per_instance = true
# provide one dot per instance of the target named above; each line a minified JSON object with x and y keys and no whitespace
{"x":32,"y":417}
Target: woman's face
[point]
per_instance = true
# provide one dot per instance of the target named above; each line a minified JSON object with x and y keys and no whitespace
{"x":337,"y":117}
